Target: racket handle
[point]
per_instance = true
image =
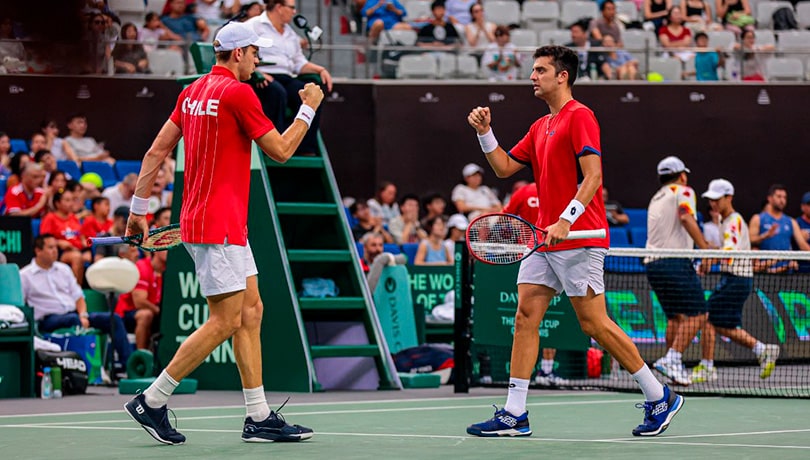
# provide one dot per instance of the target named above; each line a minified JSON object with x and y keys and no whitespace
{"x":103,"y":240}
{"x":583,"y":234}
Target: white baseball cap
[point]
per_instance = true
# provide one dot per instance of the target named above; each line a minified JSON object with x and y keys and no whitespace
{"x":457,"y":221}
{"x":238,"y":35}
{"x":471,"y":169}
{"x":718,"y":188}
{"x":671,"y":165}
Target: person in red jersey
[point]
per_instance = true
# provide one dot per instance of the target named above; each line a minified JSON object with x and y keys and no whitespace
{"x":218,"y":117}
{"x":564,"y":151}
{"x":98,"y":222}
{"x":140,"y":308}
{"x":63,"y":224}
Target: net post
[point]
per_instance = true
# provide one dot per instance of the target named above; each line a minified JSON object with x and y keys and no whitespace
{"x":462,"y":327}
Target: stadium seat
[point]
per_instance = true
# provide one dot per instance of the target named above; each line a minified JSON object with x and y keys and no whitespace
{"x":619,"y":237}
{"x":165,"y":62}
{"x":638,"y":237}
{"x":540,"y":15}
{"x":360,"y":249}
{"x":765,"y":37}
{"x":637,"y":40}
{"x":3,"y":180}
{"x":18,"y":145}
{"x":132,"y":11}
{"x":794,"y":40}
{"x":784,"y":69}
{"x":575,"y":10}
{"x":70,"y":168}
{"x":349,"y":217}
{"x":616,"y":264}
{"x":124,"y":167}
{"x":203,"y":56}
{"x":416,"y":9}
{"x":502,"y":12}
{"x":405,"y":37}
{"x":764,"y":14}
{"x":35,"y":223}
{"x":392,"y":248}
{"x":724,"y":39}
{"x":102,"y":169}
{"x":803,"y":14}
{"x":409,"y":249}
{"x":417,"y":66}
{"x":638,"y":217}
{"x":555,"y":37}
{"x":467,"y":66}
{"x":524,"y":38}
{"x":447,"y":65}
{"x":628,"y":9}
{"x":670,"y":68}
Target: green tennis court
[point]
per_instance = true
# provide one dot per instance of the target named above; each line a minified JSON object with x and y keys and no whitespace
{"x":415,"y":424}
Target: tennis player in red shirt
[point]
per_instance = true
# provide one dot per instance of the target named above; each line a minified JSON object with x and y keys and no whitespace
{"x":218,"y":117}
{"x":564,"y":151}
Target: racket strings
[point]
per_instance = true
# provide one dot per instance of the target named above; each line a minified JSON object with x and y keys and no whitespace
{"x":162,"y":240}
{"x":500,"y":239}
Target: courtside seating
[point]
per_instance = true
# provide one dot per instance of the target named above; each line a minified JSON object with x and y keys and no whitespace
{"x":124,"y":167}
{"x":70,"y":168}
{"x":409,"y":249}
{"x":638,"y":217}
{"x":392,"y":248}
{"x":619,"y":237}
{"x":638,"y":237}
{"x":18,"y":145}
{"x":102,"y":169}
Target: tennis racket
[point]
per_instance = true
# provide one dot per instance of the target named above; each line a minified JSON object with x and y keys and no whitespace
{"x":159,"y":239}
{"x":503,"y":239}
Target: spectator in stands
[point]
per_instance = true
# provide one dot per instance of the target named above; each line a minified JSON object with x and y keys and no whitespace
{"x":674,"y":34}
{"x":432,"y":250}
{"x":461,"y":10}
{"x":36,"y":143}
{"x":57,"y":181}
{"x":656,"y":11}
{"x":712,"y":230}
{"x":12,"y":52}
{"x":773,"y":230}
{"x":698,"y":16}
{"x":130,"y":57}
{"x":154,"y":31}
{"x":406,"y":227}
{"x":615,"y":213}
{"x":384,"y":15}
{"x":581,"y":42}
{"x":250,"y":10}
{"x":607,"y":24}
{"x":440,"y":32}
{"x":5,"y":157}
{"x":621,"y":65}
{"x":162,"y":217}
{"x":51,"y":289}
{"x":707,"y":62}
{"x":367,"y":223}
{"x":161,"y":197}
{"x":118,"y":228}
{"x":121,"y":193}
{"x":524,"y":203}
{"x":472,"y":198}
{"x":434,"y":205}
{"x":384,"y":204}
{"x":48,"y":162}
{"x":457,"y":225}
{"x":65,"y":227}
{"x":279,"y":89}
{"x":86,"y":148}
{"x":753,"y":57}
{"x":140,"y":308}
{"x":187,"y":26}
{"x":372,"y":248}
{"x":79,"y":198}
{"x":28,"y":198}
{"x":735,"y":14}
{"x":61,"y":150}
{"x":99,"y":222}
{"x":500,"y":58}
{"x":479,"y":32}
{"x":515,"y":187}
{"x":97,"y":48}
{"x":214,"y":11}
{"x":16,"y":165}
{"x":804,"y":225}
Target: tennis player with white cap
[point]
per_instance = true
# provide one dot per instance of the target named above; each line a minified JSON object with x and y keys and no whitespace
{"x":218,"y":118}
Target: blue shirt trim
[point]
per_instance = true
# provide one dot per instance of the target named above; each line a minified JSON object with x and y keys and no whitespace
{"x":589,"y":151}
{"x":526,"y":163}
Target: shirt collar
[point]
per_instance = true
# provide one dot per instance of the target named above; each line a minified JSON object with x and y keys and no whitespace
{"x":36,"y":268}
{"x":222,"y":71}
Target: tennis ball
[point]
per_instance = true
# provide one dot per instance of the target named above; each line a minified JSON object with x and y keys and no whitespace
{"x":655,"y":76}
{"x":92,"y":178}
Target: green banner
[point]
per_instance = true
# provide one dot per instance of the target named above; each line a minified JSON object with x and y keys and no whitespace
{"x":395,"y":309}
{"x":429,"y":284}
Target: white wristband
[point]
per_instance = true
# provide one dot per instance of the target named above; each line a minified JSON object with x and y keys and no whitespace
{"x":488,"y":141}
{"x":573,"y":211}
{"x":306,"y":114}
{"x":139,"y":206}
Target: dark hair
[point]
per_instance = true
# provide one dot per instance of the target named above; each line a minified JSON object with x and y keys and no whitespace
{"x":44,"y":124}
{"x":272,"y":3}
{"x":669,"y":13}
{"x":582,"y":24}
{"x":224,"y":56}
{"x":355,"y":205}
{"x":701,"y":35}
{"x":73,"y":185}
{"x":436,"y":4}
{"x":667,"y":178}
{"x":56,"y":174}
{"x":432,"y":197}
{"x":149,"y":16}
{"x":39,"y":241}
{"x":431,"y":222}
{"x":76,"y":115}
{"x":14,"y":163}
{"x":57,"y":197}
{"x":746,"y":32}
{"x":129,"y":25}
{"x":604,"y":4}
{"x":474,"y":5}
{"x":408,"y":196}
{"x":382,"y":186}
{"x":775,"y":188}
{"x":563,"y":59}
{"x":160,"y":212}
{"x":501,"y":30}
{"x":97,"y":200}
{"x":38,"y":155}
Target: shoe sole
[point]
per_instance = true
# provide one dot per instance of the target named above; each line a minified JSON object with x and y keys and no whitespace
{"x":510,"y":433}
{"x":301,"y":437}
{"x":767,"y":370}
{"x":151,"y":430}
{"x":666,"y":423}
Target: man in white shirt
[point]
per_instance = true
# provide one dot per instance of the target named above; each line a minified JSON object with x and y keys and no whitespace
{"x":50,"y":288}
{"x":121,"y":193}
{"x":279,"y":89}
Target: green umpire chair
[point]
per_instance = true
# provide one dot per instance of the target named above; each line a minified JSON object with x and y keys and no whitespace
{"x":16,"y":340}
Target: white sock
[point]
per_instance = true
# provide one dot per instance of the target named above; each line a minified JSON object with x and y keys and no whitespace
{"x":708,"y":363}
{"x":547,"y":366}
{"x":758,"y":348}
{"x":157,"y":395}
{"x":516,"y":399}
{"x":650,"y":386}
{"x":256,"y":403}
{"x":673,"y":356}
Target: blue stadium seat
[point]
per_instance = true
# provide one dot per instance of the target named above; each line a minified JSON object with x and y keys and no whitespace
{"x":409,"y":249}
{"x":619,"y":237}
{"x":638,"y":237}
{"x":3,"y":181}
{"x":102,"y":169}
{"x":70,"y":168}
{"x":35,"y":223}
{"x":360,"y":249}
{"x":18,"y":145}
{"x":638,"y":217}
{"x":124,"y":167}
{"x":615,"y":264}
{"x":350,"y":217}
{"x":392,"y":248}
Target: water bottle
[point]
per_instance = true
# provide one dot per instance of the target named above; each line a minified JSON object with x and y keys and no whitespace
{"x":47,"y":384}
{"x":56,"y":378}
{"x":592,"y":71}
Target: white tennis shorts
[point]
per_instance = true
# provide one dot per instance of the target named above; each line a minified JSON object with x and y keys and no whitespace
{"x":222,"y":268}
{"x":572,"y":270}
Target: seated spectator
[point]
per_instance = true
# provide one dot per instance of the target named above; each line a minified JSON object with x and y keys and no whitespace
{"x":607,"y":24}
{"x":736,"y":15}
{"x":187,"y":26}
{"x":154,"y":31}
{"x":57,"y":182}
{"x":97,"y":46}
{"x":130,"y":57}
{"x":65,"y":227}
{"x":460,"y":11}
{"x":656,"y":11}
{"x":713,"y":229}
{"x":698,"y":16}
{"x":367,"y":223}
{"x":432,"y":250}
{"x":434,"y":205}
{"x":121,"y":193}
{"x":279,"y":87}
{"x":141,"y":307}
{"x":674,"y":34}
{"x":457,"y":225}
{"x":621,"y":65}
{"x":753,"y":58}
{"x":406,"y":227}
{"x":60,"y":149}
{"x":707,"y":62}
{"x":500,"y":58}
{"x":384,"y":15}
{"x":372,"y":248}
{"x":588,"y":60}
{"x":804,"y":225}
{"x":118,"y":228}
{"x":161,"y":218}
{"x":440,"y":32}
{"x":28,"y":198}
{"x":12,"y":52}
{"x":515,"y":187}
{"x":48,"y":162}
{"x":37,"y":143}
{"x":472,"y":198}
{"x":384,"y":204}
{"x":615,"y":213}
{"x":214,"y":11}
{"x":16,"y":165}
{"x":51,"y":289}
{"x":5,"y":156}
{"x":524,"y":203}
{"x":248,"y":11}
{"x":99,"y":222}
{"x":79,"y":198}
{"x":86,"y":148}
{"x":479,"y":32}
{"x":773,"y":230}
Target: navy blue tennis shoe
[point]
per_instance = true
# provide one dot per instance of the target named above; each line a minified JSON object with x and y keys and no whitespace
{"x":502,"y":424}
{"x":154,"y":421}
{"x":658,"y":414}
{"x":274,"y":429}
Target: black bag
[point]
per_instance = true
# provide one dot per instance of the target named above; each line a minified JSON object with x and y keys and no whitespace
{"x":783,"y":19}
{"x":74,"y":370}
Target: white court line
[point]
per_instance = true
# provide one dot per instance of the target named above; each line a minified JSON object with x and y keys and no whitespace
{"x":638,"y":441}
{"x":714,"y":435}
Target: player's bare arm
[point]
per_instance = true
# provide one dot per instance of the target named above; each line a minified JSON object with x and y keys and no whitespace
{"x":503,"y":165}
{"x":692,"y":228}
{"x":162,"y":146}
{"x":280,"y":147}
{"x":798,"y":236}
{"x":591,"y":166}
